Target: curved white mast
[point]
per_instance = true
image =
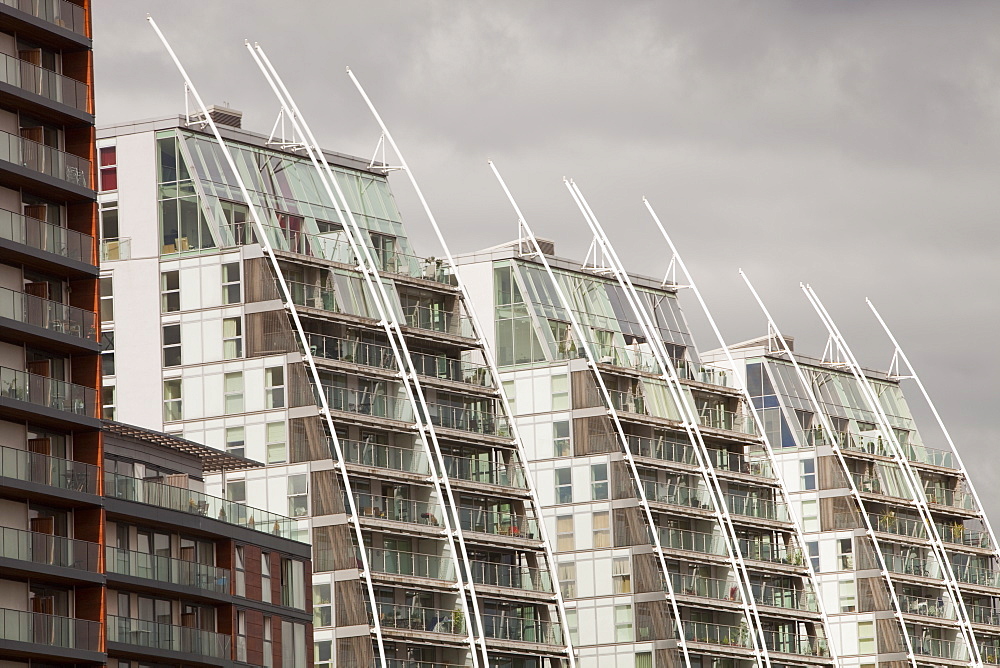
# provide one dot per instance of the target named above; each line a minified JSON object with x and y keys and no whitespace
{"x":671,"y":378}
{"x":297,"y":325}
{"x":490,"y":361}
{"x":578,"y":330}
{"x":912,"y":478}
{"x":390,"y":325}
{"x":738,"y":377}
{"x":835,"y":445}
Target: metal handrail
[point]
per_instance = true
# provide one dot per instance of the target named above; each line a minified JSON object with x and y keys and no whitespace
{"x":43,"y":82}
{"x":48,"y":314}
{"x":45,"y":159}
{"x":54,"y":471}
{"x":43,"y":548}
{"x":166,"y":569}
{"x":45,"y":236}
{"x":48,"y":392}
{"x":142,"y":633}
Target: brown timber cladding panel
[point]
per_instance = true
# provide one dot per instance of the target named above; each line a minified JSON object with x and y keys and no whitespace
{"x":864,"y":553}
{"x":646,"y":573}
{"x":332,"y":549}
{"x":327,"y":499}
{"x":838,"y":512}
{"x":349,"y":604}
{"x":890,"y":637}
{"x":269,"y":333}
{"x":629,"y":528}
{"x":873,"y":595}
{"x":300,"y":391}
{"x":594,"y":435}
{"x":653,"y":621}
{"x":668,"y":658}
{"x":307,"y":440}
{"x":584,"y":389}
{"x":259,"y":280}
{"x":355,"y":652}
{"x":831,"y":473}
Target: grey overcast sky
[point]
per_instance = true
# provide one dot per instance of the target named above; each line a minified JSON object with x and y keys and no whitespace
{"x":851,"y":145}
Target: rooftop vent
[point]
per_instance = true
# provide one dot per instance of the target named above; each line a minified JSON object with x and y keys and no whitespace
{"x":222,"y":116}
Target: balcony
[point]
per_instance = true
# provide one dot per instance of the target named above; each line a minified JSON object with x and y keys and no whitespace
{"x":678,"y":495}
{"x":718,"y":634}
{"x":957,"y":534}
{"x":166,"y":569}
{"x":774,"y":553}
{"x":952,"y":498}
{"x":397,"y":510}
{"x":368,"y":403}
{"x":981,"y":614}
{"x":56,"y":472}
{"x":494,"y":523}
{"x":50,"y":630}
{"x":437,"y":320}
{"x":900,"y":526}
{"x":415,"y":618}
{"x":974,"y":575}
{"x":167,"y":637}
{"x":788,"y":598}
{"x":801,"y":645}
{"x":737,"y":462}
{"x":48,"y":550}
{"x":153,"y":493}
{"x":313,"y":296}
{"x":713,"y":588}
{"x":484,"y":471}
{"x":471,"y":420}
{"x":941,"y":649}
{"x":351,"y":351}
{"x":57,"y":12}
{"x":46,"y":83}
{"x":910,"y":565}
{"x":45,"y":159}
{"x":390,"y":457}
{"x":871,"y":484}
{"x":509,"y":576}
{"x":411,"y":564}
{"x":922,"y":454}
{"x":858,"y":443}
{"x":663,"y":449}
{"x":47,"y":237}
{"x":938,"y":608}
{"x":693,"y":541}
{"x":442,"y":367}
{"x":518,"y":629}
{"x":48,"y":392}
{"x":47,"y":314}
{"x":755,"y":507}
{"x":720,"y":418}
{"x":116,"y":249}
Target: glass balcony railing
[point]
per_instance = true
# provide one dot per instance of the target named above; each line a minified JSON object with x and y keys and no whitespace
{"x":166,"y":569}
{"x":942,"y":649}
{"x":989,"y":652}
{"x":46,"y":237}
{"x":867,"y":444}
{"x":750,"y":506}
{"x":351,"y":351}
{"x":719,"y":418}
{"x":158,"y":494}
{"x":45,"y":159}
{"x":922,"y":454}
{"x":116,"y":249}
{"x":976,"y":575}
{"x":785,"y":597}
{"x":53,"y":471}
{"x":397,"y":510}
{"x":411,"y":564}
{"x":43,"y":82}
{"x":737,"y":462}
{"x":414,"y":618}
{"x":678,"y":495}
{"x":628,"y":402}
{"x":714,"y":588}
{"x":47,"y":314}
{"x":57,"y":12}
{"x":368,"y":403}
{"x":939,"y":607}
{"x":913,"y":565}
{"x":389,"y":457}
{"x":872,"y":484}
{"x":958,"y":534}
{"x":485,"y":471}
{"x":950,"y":497}
{"x":491,"y":522}
{"x":52,"y":630}
{"x":901,"y":526}
{"x":140,"y":633}
{"x":663,"y":449}
{"x":775,"y":553}
{"x":313,"y":296}
{"x":692,"y":541}
{"x":717,"y":634}
{"x":455,"y":370}
{"x":790,"y":643}
{"x":518,"y":629}
{"x":43,"y":548}
{"x":48,"y":392}
{"x":437,"y":320}
{"x":510,"y":576}
{"x":473,"y":420}
{"x":982,"y":614}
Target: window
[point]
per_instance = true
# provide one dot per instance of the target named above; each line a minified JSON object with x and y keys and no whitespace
{"x":565,"y":540}
{"x":812,"y":549}
{"x":170,"y":291}
{"x":109,"y":224}
{"x":845,"y":554}
{"x":274,"y":386}
{"x":602,"y":529}
{"x":236,"y":441}
{"x":562,"y":334}
{"x":232,"y":338}
{"x":810,"y":515}
{"x":298,"y":495}
{"x":323,"y":654}
{"x":171,"y":345}
{"x":107,"y":299}
{"x":866,"y":637}
{"x":560,"y":393}
{"x":621,"y":575}
{"x":241,"y":635}
{"x":276,"y":450}
{"x":567,"y":579}
{"x":172,"y":405}
{"x":623,"y":623}
{"x":108,"y":353}
{"x":574,"y":626}
{"x":265,"y":577}
{"x":293,"y":593}
{"x":241,"y":571}
{"x":808,"y":477}
{"x":322,"y":607}
{"x":108,"y":160}
{"x":560,"y":438}
{"x":233,"y":388}
{"x":643,"y":660}
{"x":599,"y":482}
{"x":109,"y":402}
{"x":848,"y":594}
{"x":508,"y":389}
{"x":236,"y":491}
{"x":269,"y":643}
{"x":238,"y":222}
{"x":564,"y":485}
{"x":293,"y":645}
{"x":231,"y":283}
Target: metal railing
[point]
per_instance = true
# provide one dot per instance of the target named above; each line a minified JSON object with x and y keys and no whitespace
{"x":790,"y":643}
{"x":473,"y":420}
{"x":867,"y":444}
{"x":116,"y":249}
{"x":953,"y":498}
{"x":718,"y":634}
{"x":720,"y":418}
{"x":942,"y":649}
{"x":693,"y":541}
{"x":901,"y":526}
{"x":397,"y":510}
{"x":48,"y":392}
{"x":752,"y":506}
{"x":167,"y":569}
{"x":43,"y":82}
{"x":43,"y":548}
{"x":775,"y":553}
{"x":981,"y":614}
{"x":663,"y":449}
{"x":141,"y":633}
{"x":414,"y":618}
{"x":158,"y":494}
{"x":678,"y":495}
{"x":518,"y":629}
{"x":478,"y":520}
{"x":628,"y":402}
{"x":922,"y":454}
{"x":485,"y":471}
{"x":785,"y":597}
{"x":57,"y":12}
{"x":976,"y":575}
{"x":45,"y":159}
{"x":939,"y":608}
{"x":714,"y":588}
{"x":449,"y":368}
{"x":911,"y":565}
{"x":437,"y":320}
{"x":411,"y":564}
{"x":351,"y":351}
{"x":313,"y":296}
{"x":368,"y":403}
{"x":958,"y":534}
{"x":47,"y":314}
{"x":46,"y":470}
{"x":868,"y":483}
{"x":737,"y":462}
{"x":45,"y":236}
{"x":382,"y":456}
{"x":510,"y":576}
{"x":41,"y":629}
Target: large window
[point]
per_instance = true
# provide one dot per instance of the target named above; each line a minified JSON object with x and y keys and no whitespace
{"x":516,"y":341}
{"x":265,"y":577}
{"x":172,"y":406}
{"x":171,"y":345}
{"x":564,"y":485}
{"x":293,"y":593}
{"x":231,"y":283}
{"x":241,"y":635}
{"x":298,"y":497}
{"x":183,"y":225}
{"x":602,"y":529}
{"x":565,"y":540}
{"x":274,"y":387}
{"x":170,"y":291}
{"x":623,"y":623}
{"x":293,"y":645}
{"x":560,"y":438}
{"x":599,"y":482}
{"x":323,"y":654}
{"x":322,"y":606}
{"x":277,"y":450}
{"x":233,"y":384}
{"x":567,"y":579}
{"x":560,"y":392}
{"x":808,"y":474}
{"x":268,"y":641}
{"x":241,"y":571}
{"x":232,"y":338}
{"x":621,"y":575}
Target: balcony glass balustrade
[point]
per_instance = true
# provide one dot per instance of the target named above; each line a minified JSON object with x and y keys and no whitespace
{"x":510,"y":576}
{"x":790,"y":643}
{"x":42,"y":548}
{"x":57,"y":12}
{"x":718,"y":634}
{"x":950,"y":497}
{"x":48,"y":392}
{"x":867,"y":444}
{"x":628,"y":402}
{"x":922,"y":454}
{"x":437,"y":320}
{"x":411,"y":564}
{"x":51,"y":630}
{"x":938,"y":607}
{"x":309,"y":295}
{"x":872,"y":484}
{"x":485,"y":471}
{"x":415,"y":618}
{"x":981,"y":614}
{"x":692,"y":541}
{"x":385,"y":456}
{"x":47,"y":314}
{"x":166,"y":569}
{"x":924,"y":645}
{"x":737,"y":462}
{"x":518,"y":629}
{"x":989,"y":652}
{"x":119,"y":248}
{"x":678,"y":495}
{"x":785,"y":597}
{"x":900,"y":526}
{"x":495,"y":523}
{"x":140,"y":633}
{"x":472,"y":420}
{"x":53,"y":471}
{"x":46,"y":83}
{"x":913,"y":565}
{"x":751,"y":506}
{"x":719,"y":418}
{"x":958,"y":534}
{"x":158,"y":494}
{"x":975,"y":575}
{"x":663,"y":449}
{"x":44,"y":236}
{"x":406,"y":663}
{"x":45,"y":159}
{"x":368,"y":403}
{"x":775,"y":553}
{"x":398,"y":510}
{"x":714,"y":588}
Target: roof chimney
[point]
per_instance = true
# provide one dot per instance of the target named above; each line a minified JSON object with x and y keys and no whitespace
{"x":223,"y":116}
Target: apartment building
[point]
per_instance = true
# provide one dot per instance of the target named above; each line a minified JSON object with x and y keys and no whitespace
{"x":665,"y":509}
{"x":387,"y":445}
